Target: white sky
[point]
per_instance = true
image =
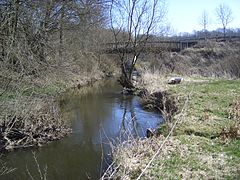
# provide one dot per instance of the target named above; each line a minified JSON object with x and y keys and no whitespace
{"x":184,"y":15}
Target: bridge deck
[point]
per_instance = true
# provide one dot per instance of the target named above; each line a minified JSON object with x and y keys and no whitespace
{"x":170,"y":45}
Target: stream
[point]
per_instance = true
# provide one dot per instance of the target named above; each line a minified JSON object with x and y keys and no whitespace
{"x":99,"y":114}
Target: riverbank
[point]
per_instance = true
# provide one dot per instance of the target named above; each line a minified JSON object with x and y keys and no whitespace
{"x":202,"y":140}
{"x":30,"y":111}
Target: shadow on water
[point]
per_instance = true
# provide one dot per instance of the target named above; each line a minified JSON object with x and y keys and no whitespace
{"x":98,"y":114}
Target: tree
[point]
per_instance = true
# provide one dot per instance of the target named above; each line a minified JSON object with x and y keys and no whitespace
{"x":28,"y":29}
{"x":224,"y":15}
{"x":204,"y":21}
{"x":132,"y":23}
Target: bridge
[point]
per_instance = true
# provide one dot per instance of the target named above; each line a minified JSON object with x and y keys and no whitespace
{"x":163,"y":45}
{"x":154,"y":46}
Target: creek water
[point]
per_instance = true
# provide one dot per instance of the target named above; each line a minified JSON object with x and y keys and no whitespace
{"x":99,"y":114}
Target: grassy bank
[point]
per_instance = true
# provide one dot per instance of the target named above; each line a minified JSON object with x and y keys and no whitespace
{"x":204,"y":143}
{"x":30,"y":112}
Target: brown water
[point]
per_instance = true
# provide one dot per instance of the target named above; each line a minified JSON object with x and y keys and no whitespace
{"x":99,"y":114}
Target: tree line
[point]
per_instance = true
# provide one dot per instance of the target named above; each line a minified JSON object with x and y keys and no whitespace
{"x":224,"y":16}
{"x":28,"y":28}
{"x":33,"y":30}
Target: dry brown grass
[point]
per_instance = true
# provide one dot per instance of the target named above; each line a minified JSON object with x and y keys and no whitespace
{"x":153,"y":82}
{"x":134,"y":154}
{"x":234,"y":111}
{"x":209,"y":59}
{"x":31,"y":122}
{"x":178,"y":159}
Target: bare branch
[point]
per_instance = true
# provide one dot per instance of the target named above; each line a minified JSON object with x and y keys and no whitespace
{"x":224,"y":16}
{"x":138,"y":20}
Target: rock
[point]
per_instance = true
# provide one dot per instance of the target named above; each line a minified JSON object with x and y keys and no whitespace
{"x":175,"y":80}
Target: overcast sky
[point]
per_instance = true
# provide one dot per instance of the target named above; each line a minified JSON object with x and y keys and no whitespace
{"x":184,"y":15}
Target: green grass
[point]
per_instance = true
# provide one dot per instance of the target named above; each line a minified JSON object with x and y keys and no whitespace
{"x":31,"y":91}
{"x":208,"y":108}
{"x":202,"y":153}
{"x":46,"y":90}
{"x":198,"y":157}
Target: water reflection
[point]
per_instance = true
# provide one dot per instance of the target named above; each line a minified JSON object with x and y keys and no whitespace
{"x":98,"y":114}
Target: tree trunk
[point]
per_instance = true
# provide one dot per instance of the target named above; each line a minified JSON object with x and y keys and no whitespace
{"x":124,"y":80}
{"x":61,"y":31}
{"x":224,"y":33}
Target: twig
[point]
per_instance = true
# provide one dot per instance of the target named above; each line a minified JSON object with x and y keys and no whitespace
{"x":29,"y":173}
{"x":105,"y":173}
{"x":38,"y":166}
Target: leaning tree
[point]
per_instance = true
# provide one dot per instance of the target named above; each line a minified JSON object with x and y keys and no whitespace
{"x":132,"y":22}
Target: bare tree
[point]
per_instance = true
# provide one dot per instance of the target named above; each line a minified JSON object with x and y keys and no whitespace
{"x":204,"y":22}
{"x":28,"y":29}
{"x":224,"y":15}
{"x":132,"y":23}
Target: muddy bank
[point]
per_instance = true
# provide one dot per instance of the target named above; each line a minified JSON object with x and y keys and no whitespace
{"x":162,"y":101}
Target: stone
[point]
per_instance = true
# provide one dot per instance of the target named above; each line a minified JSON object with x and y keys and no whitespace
{"x":175,"y":80}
